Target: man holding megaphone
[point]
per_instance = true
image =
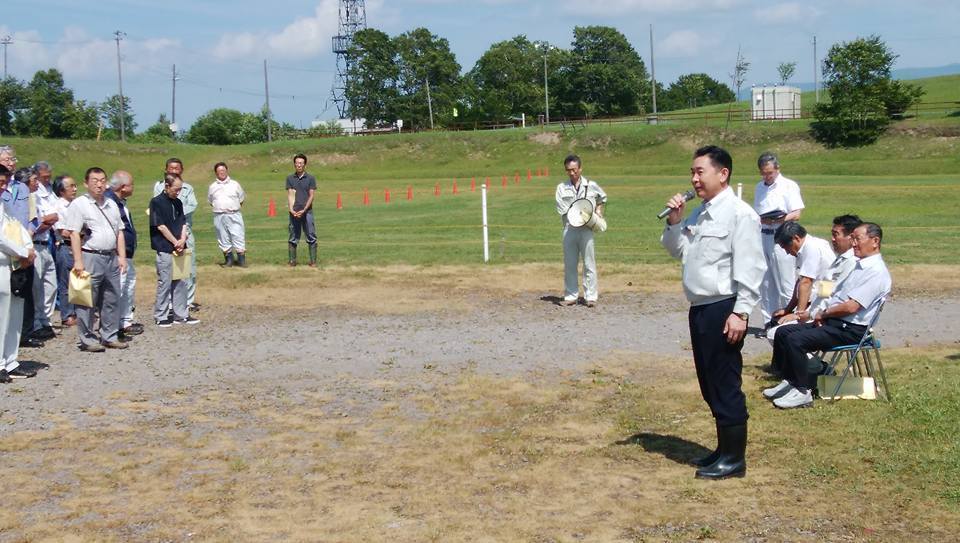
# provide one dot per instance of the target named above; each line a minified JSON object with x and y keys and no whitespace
{"x":580,"y":203}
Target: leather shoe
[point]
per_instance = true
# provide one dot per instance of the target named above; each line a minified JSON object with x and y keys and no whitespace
{"x":70,"y":321}
{"x":31,"y":343}
{"x":4,"y":378}
{"x":134,"y":329}
{"x":115,"y":345}
{"x":93,"y":348}
{"x":21,"y":373}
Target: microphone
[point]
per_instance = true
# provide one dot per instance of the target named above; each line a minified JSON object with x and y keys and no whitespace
{"x":687,"y":196}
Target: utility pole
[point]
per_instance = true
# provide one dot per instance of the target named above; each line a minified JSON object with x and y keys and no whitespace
{"x":173,"y":105}
{"x":546,"y":87}
{"x":5,"y":41}
{"x":816,"y":84}
{"x":266,"y":90}
{"x":123,"y":112}
{"x":653,"y":73}
{"x":429,"y":102}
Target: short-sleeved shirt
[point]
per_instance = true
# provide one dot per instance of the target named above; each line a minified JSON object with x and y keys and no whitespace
{"x":47,"y":204}
{"x":98,"y":224}
{"x":868,"y":282}
{"x":17,"y":200}
{"x":783,"y":194}
{"x":814,"y":258}
{"x":188,"y":197}
{"x":168,"y":212}
{"x":567,"y":194}
{"x":302,"y":186}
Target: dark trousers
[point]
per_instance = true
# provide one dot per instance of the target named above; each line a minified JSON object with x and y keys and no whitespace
{"x":792,"y":343}
{"x":64,"y":261}
{"x":719,"y":364}
{"x":303,"y":224}
{"x":27,"y":328}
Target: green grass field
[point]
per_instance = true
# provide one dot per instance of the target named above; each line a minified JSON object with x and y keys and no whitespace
{"x":906,"y":182}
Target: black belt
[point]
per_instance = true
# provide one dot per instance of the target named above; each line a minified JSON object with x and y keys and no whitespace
{"x":96,"y":252}
{"x":840,"y":323}
{"x":768,"y":231}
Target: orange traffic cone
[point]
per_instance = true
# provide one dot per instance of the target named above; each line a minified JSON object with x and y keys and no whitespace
{"x":409,"y":192}
{"x":455,"y":191}
{"x":503,"y":181}
{"x":339,"y":201}
{"x":436,"y":189}
{"x":473,"y":184}
{"x":272,"y":208}
{"x":366,"y":197}
{"x":488,"y":183}
{"x":516,"y":177}
{"x":529,"y":177}
{"x":386,"y":195}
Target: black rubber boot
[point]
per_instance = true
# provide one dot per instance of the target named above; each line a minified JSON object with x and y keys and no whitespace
{"x":292,"y":251}
{"x":227,"y":259}
{"x":313,"y":255}
{"x":705,"y":461}
{"x":242,"y":260}
{"x":733,"y":447}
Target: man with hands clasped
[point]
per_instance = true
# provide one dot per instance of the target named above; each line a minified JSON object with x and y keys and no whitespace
{"x":168,"y":237}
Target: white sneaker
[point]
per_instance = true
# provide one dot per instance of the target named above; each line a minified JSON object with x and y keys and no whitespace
{"x":794,"y":399}
{"x":778,"y":391}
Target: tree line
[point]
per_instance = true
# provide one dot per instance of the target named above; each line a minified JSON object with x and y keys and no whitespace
{"x":415,"y":77}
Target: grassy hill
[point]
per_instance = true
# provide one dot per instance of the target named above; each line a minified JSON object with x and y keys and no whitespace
{"x":906,"y":182}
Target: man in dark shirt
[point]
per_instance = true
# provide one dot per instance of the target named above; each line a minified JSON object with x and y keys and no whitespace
{"x":119,"y":190}
{"x":168,"y":237}
{"x":300,"y":189}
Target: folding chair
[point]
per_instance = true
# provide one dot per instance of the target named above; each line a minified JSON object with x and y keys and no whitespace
{"x":862,"y":359}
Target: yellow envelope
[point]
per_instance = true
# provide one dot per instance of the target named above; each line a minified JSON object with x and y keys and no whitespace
{"x":181,"y":265}
{"x":825,"y":288}
{"x":80,"y":290}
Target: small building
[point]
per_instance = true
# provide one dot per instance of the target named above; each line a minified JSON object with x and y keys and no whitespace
{"x":776,"y":102}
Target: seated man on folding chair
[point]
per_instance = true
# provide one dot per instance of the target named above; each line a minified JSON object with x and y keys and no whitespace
{"x":848,"y":313}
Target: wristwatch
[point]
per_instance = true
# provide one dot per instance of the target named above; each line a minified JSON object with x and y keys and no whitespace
{"x":744,"y":316}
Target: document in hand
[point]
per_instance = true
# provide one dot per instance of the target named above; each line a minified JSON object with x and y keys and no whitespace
{"x":181,"y":265}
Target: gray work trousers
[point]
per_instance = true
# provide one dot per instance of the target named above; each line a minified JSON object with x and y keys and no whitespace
{"x":104,"y":273}
{"x":44,"y":286}
{"x":169,"y":291}
{"x":577,"y":245}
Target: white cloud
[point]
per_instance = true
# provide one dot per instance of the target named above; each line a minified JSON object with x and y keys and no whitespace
{"x":684,"y":44}
{"x":25,"y":55}
{"x":619,"y":7}
{"x":789,"y":12}
{"x":303,"y":38}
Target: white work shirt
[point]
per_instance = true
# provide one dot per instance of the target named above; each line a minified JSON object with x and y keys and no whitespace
{"x":868,"y":282}
{"x":62,"y":205}
{"x":225,"y":196}
{"x":814,"y":258}
{"x":567,"y":194}
{"x":839,"y":269}
{"x":46,"y":205}
{"x":103,"y":227}
{"x":783,"y":194}
{"x":719,"y":245}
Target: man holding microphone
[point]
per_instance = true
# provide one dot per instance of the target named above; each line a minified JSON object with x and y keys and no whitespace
{"x":723,"y":264}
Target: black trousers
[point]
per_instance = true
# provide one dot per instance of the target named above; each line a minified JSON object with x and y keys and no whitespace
{"x":719,"y":364}
{"x":792,"y":343}
{"x":28,"y":307}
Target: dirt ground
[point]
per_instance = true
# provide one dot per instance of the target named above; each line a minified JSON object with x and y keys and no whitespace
{"x":409,"y":404}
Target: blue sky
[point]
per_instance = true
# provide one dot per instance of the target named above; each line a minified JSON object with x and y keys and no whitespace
{"x":219,"y":47}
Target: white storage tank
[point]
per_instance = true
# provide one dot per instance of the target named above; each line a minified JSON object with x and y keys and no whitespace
{"x":776,"y":102}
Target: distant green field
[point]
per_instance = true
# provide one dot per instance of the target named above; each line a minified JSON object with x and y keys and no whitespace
{"x":907,"y":182}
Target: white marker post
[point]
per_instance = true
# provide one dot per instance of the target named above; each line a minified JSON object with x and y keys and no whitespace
{"x":740,"y":190}
{"x":486,"y":234}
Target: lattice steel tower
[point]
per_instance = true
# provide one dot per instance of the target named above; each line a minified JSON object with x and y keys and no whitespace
{"x":353,"y":17}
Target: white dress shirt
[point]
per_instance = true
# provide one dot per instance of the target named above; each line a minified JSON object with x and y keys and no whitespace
{"x":782,"y":194}
{"x":225,"y":196}
{"x":719,"y":245}
{"x":868,"y":282}
{"x":814,"y":258}
{"x":103,"y":227}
